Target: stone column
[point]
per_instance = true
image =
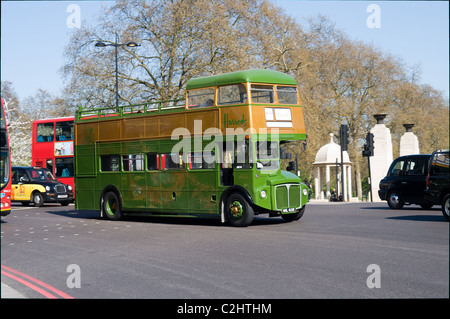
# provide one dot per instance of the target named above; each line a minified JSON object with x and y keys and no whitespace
{"x":327,"y":177}
{"x":409,"y":143}
{"x":382,"y":157}
{"x":317,"y":187}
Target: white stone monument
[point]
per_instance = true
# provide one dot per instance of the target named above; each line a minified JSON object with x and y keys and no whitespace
{"x":409,"y":143}
{"x":382,"y":154}
{"x":325,"y":160}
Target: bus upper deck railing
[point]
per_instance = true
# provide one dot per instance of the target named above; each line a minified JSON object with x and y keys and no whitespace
{"x":130,"y":110}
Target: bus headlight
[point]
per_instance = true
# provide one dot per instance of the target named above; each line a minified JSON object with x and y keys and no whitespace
{"x":305,"y":192}
{"x":47,"y":188}
{"x":69,"y":187}
{"x":263,"y":194}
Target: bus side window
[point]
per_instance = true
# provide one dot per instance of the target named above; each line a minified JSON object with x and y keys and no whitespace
{"x":171,"y":161}
{"x":64,"y":167}
{"x":152,"y":162}
{"x":201,"y":98}
{"x":110,"y":163}
{"x":232,"y":94}
{"x":133,"y":163}
{"x":45,"y":132}
{"x":64,"y":131}
{"x":195,"y":160}
{"x":201,"y":160}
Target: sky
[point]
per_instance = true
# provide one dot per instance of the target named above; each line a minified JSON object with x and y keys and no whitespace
{"x":35,"y":33}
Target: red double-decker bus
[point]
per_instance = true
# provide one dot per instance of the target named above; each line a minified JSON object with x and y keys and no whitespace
{"x":5,"y":164}
{"x":52,"y":147}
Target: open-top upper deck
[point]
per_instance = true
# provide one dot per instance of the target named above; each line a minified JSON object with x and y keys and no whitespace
{"x":252,"y":99}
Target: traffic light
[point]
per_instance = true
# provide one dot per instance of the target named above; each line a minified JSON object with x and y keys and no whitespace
{"x":343,"y":137}
{"x":368,"y":147}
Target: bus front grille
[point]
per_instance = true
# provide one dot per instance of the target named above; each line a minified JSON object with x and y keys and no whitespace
{"x":287,"y":196}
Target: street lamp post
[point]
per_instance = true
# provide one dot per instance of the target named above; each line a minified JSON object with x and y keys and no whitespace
{"x":116,"y":45}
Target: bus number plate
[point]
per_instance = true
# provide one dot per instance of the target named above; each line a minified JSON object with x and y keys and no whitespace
{"x":288,"y":210}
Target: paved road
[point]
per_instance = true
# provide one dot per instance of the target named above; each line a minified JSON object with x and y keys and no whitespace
{"x":334,"y":251}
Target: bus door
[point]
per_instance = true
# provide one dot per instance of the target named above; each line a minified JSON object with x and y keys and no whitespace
{"x":202,"y":182}
{"x":242,"y":167}
{"x":236,"y":162}
{"x":226,"y":165}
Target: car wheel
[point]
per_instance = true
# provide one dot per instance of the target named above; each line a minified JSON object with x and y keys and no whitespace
{"x":445,"y":206}
{"x":395,"y":200}
{"x":38,"y":199}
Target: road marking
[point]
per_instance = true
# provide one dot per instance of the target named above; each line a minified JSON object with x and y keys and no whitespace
{"x":22,"y":208}
{"x":14,"y":274}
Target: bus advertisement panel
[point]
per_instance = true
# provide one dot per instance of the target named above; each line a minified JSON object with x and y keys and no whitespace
{"x":216,"y":153}
{"x":5,"y":164}
{"x":52,"y":147}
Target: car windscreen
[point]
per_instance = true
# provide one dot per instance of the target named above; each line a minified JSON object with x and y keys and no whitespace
{"x":39,"y":175}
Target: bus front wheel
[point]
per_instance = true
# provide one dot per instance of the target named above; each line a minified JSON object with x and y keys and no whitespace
{"x":238,"y":211}
{"x":111,"y":206}
{"x":293,"y":216}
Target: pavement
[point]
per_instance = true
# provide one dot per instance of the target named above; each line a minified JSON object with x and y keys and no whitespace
{"x":10,"y":293}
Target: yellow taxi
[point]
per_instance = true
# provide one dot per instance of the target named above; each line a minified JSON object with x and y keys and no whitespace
{"x":38,"y":186}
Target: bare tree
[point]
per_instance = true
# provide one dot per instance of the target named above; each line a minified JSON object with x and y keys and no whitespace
{"x":19,"y":126}
{"x":341,"y":81}
{"x":179,"y":40}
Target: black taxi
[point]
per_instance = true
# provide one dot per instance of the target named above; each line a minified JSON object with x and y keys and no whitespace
{"x":406,"y":181}
{"x":38,"y":186}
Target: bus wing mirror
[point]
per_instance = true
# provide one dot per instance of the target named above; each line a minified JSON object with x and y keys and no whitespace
{"x":284,"y":155}
{"x":291,"y":166}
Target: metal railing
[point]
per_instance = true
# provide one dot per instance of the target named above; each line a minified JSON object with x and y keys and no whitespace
{"x":129,"y":110}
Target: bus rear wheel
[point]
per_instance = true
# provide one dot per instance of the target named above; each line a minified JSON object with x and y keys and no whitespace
{"x":238,"y":211}
{"x":111,"y":206}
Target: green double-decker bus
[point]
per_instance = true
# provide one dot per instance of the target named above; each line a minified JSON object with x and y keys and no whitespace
{"x":215,"y":153}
